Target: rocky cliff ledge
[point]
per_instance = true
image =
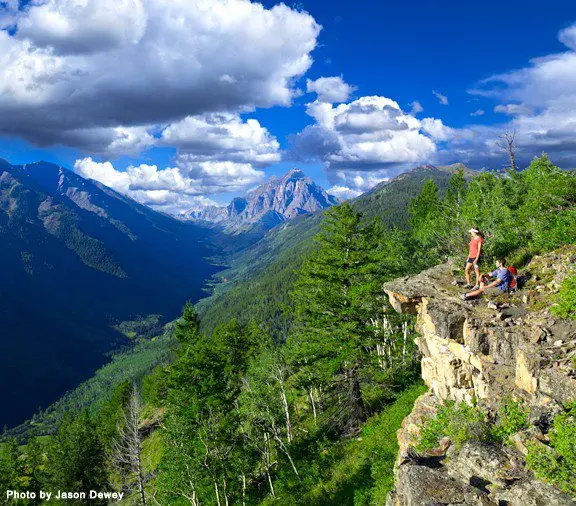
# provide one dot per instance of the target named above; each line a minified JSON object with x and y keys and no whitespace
{"x":482,"y":352}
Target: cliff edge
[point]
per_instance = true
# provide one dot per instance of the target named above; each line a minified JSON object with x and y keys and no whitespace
{"x":482,"y":352}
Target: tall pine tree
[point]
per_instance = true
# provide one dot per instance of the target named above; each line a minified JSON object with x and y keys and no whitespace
{"x":202,"y":425}
{"x":334,"y":301}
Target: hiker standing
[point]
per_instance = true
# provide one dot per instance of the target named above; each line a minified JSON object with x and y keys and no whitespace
{"x":474,"y":252}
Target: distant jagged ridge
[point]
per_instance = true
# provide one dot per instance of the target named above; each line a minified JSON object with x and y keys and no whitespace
{"x":276,"y":201}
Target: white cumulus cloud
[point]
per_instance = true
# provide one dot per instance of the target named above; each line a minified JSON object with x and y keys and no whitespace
{"x":83,"y":26}
{"x":353,"y":184}
{"x":73,"y":71}
{"x":330,"y":89}
{"x":367,"y":140}
{"x":436,"y":129}
{"x":172,"y":189}
{"x":343,"y":192}
{"x":222,"y":136}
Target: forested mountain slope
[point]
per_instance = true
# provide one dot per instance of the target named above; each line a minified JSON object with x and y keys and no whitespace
{"x":239,"y":417}
{"x":390,"y":200}
{"x":76,"y":259}
{"x":256,"y":284}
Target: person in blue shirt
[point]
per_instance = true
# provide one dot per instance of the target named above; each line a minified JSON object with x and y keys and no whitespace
{"x":499,"y":286}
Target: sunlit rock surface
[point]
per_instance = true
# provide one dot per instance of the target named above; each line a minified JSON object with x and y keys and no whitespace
{"x":483,"y":351}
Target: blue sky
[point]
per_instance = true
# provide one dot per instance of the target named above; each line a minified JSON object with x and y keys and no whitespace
{"x":132,"y":100}
{"x":404,"y":50}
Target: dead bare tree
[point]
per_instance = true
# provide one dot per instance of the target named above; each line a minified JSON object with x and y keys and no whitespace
{"x":127,"y":447}
{"x":508,"y":144}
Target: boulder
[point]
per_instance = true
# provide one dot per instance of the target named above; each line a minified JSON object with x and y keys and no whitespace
{"x":484,"y":463}
{"x":424,"y":486}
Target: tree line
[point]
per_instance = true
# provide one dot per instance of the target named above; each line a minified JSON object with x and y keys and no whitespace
{"x":243,"y":410}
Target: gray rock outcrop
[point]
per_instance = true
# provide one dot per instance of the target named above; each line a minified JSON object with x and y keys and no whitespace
{"x":481,"y":352}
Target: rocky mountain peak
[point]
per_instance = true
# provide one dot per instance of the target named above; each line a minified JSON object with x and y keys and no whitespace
{"x":277,"y":200}
{"x":295,"y":173}
{"x":237,"y":205}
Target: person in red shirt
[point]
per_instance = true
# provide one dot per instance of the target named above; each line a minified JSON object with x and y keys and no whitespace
{"x":474,"y":252}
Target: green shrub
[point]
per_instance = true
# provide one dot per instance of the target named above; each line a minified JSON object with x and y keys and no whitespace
{"x":460,"y":422}
{"x":557,"y":463}
{"x":566,"y":301}
{"x":155,"y":386}
{"x":512,"y":417}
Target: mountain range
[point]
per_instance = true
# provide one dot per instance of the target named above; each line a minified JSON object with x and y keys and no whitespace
{"x":78,"y":258}
{"x":278,"y":200}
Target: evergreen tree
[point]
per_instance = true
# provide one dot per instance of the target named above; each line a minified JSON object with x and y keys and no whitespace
{"x":548,"y":210}
{"x":111,"y":413}
{"x":155,"y":386}
{"x":35,"y":465}
{"x":486,"y":206}
{"x":333,"y":305}
{"x":77,"y":456}
{"x":426,"y":215}
{"x":203,"y":422}
{"x":452,"y":228}
{"x":186,"y":329}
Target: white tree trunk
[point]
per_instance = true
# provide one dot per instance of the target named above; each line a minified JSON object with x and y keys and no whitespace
{"x":286,"y":407}
{"x":217,"y":491}
{"x":405,"y":332}
{"x":267,"y":463}
{"x":312,"y":404}
{"x":127,"y":447}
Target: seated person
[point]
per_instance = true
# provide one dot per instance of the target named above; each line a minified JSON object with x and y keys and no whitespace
{"x":497,"y":287}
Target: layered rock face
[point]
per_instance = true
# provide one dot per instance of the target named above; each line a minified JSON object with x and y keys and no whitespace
{"x":482,"y":352}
